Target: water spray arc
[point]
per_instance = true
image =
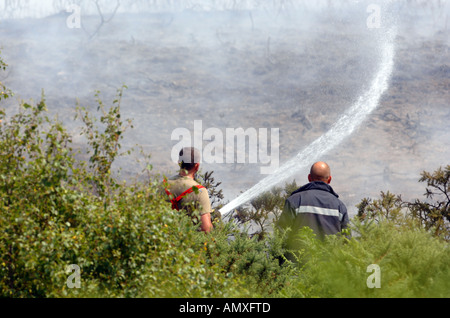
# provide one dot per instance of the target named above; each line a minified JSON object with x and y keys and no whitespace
{"x":343,"y":128}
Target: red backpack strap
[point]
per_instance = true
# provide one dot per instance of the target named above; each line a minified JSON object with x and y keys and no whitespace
{"x":166,"y":186}
{"x":170,"y":195}
{"x":189,"y":191}
{"x":174,"y":200}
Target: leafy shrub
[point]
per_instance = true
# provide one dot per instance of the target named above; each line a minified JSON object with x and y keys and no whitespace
{"x":264,"y":210}
{"x":412,"y":264}
{"x":4,"y":91}
{"x":125,"y":238}
{"x":254,"y":261}
{"x":37,"y":203}
{"x":56,"y":211}
{"x":435,"y":215}
{"x":432,"y":216}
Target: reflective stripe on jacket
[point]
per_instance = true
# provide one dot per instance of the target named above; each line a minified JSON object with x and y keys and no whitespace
{"x":317,"y":206}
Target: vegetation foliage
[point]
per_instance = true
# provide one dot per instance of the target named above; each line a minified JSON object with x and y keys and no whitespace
{"x":57,"y":210}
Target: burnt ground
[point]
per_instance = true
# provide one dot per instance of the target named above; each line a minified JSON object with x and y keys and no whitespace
{"x":234,"y":70}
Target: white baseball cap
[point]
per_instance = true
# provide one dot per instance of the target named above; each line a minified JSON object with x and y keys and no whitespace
{"x":190,"y":155}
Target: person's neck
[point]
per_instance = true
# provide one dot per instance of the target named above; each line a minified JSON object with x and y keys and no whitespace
{"x":188,"y":174}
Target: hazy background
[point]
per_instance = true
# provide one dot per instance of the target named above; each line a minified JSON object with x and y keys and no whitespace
{"x":292,"y":65}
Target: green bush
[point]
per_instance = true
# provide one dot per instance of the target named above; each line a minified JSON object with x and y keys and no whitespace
{"x":37,"y":203}
{"x":125,"y":238}
{"x":412,"y":264}
{"x":253,"y":261}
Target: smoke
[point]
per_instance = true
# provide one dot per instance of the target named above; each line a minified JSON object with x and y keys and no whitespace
{"x":292,"y":65}
{"x":344,"y":127}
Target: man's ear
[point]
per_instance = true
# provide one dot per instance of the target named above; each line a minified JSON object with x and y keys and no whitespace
{"x":196,"y":167}
{"x":329,"y":180}
{"x":309,"y":178}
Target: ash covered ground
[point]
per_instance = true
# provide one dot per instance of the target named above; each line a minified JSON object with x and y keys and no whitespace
{"x":292,"y":70}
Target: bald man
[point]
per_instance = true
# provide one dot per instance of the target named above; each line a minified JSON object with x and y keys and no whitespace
{"x":315,"y":205}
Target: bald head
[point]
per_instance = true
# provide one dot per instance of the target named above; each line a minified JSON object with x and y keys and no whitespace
{"x":320,"y":171}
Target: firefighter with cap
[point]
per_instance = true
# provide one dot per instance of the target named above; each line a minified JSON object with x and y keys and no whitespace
{"x":186,"y":194}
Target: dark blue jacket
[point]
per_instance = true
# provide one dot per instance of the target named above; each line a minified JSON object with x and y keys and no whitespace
{"x":317,"y":206}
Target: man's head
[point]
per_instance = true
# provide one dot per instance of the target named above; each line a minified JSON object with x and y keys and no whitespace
{"x":189,"y":159}
{"x":320,"y":171}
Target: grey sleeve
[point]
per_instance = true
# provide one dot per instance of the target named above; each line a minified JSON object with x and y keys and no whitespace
{"x":345,"y":220}
{"x":287,"y":216}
